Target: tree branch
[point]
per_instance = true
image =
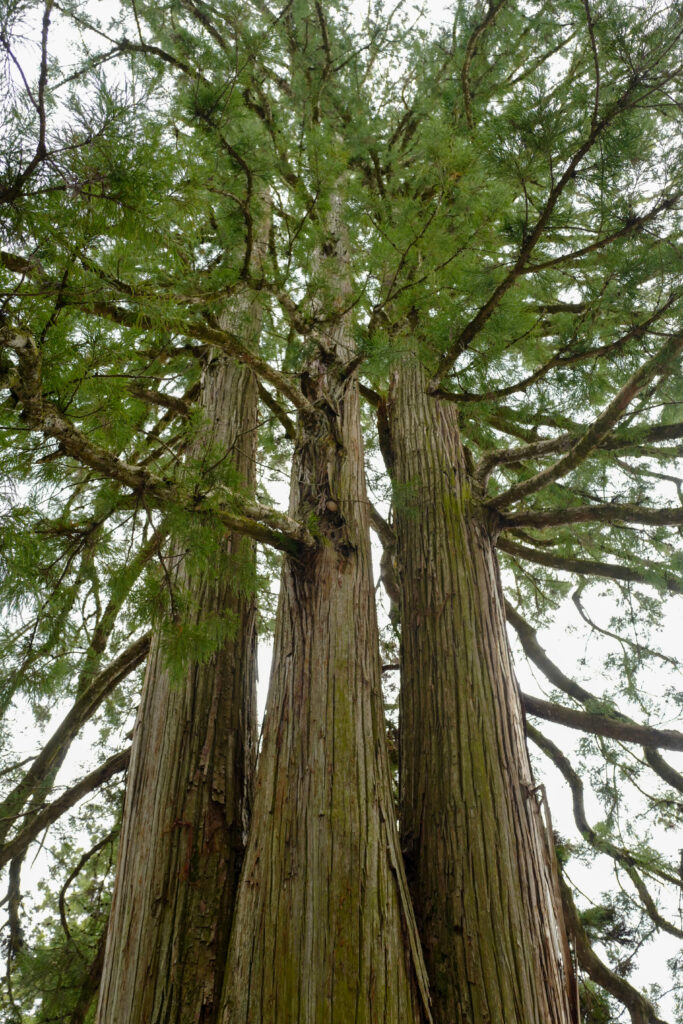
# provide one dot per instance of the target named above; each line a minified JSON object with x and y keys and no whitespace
{"x":640,"y":1009}
{"x":658,"y":577}
{"x":492,"y":13}
{"x":278,"y":411}
{"x":85,"y":706}
{"x":13,"y":192}
{"x":623,"y":857}
{"x":479,"y":320}
{"x":216,"y":336}
{"x":602,"y":725}
{"x":536,"y":654}
{"x":20,"y":843}
{"x":171,"y":402}
{"x":599,"y":429}
{"x":632,"y":225}
{"x":264,"y":524}
{"x":542,"y":519}
{"x":632,"y":437}
{"x":91,"y":982}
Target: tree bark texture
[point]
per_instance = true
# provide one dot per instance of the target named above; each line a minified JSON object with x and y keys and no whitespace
{"x":478,"y":853}
{"x":189,"y":785}
{"x":323,"y":930}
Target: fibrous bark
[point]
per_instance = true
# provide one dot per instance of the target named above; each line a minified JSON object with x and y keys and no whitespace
{"x":478,"y":852}
{"x":323,"y":930}
{"x":188,"y":795}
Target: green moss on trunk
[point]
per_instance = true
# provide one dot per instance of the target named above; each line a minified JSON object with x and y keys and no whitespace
{"x":477,"y":852}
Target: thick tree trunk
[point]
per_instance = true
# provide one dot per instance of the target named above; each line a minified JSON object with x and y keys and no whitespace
{"x":478,"y":852}
{"x":188,"y":796}
{"x":323,"y":930}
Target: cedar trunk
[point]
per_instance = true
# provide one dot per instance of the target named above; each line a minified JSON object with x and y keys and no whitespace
{"x":478,"y":853}
{"x":188,"y":796}
{"x":323,"y":931}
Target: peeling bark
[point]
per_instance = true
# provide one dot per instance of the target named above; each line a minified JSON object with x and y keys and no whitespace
{"x":478,"y":853}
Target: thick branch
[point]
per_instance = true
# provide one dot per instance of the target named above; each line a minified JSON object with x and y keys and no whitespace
{"x":602,"y":725}
{"x":20,"y":843}
{"x":556,"y":676}
{"x":170,"y":402}
{"x":103,"y":684}
{"x":628,"y":860}
{"x":369,"y":395}
{"x":278,"y":411}
{"x":608,"y":513}
{"x":656,"y":577}
{"x":248,"y":517}
{"x":384,"y":531}
{"x":599,"y":429}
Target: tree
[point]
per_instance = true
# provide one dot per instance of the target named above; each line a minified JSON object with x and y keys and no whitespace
{"x":455,"y":253}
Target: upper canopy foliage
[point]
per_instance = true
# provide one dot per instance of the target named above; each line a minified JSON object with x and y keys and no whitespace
{"x":513,"y":188}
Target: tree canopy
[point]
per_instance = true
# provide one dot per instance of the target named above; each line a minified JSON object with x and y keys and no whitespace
{"x":512,"y":191}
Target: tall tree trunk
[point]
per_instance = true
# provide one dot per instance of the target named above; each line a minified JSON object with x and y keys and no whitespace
{"x":188,"y":796}
{"x":323,"y":930}
{"x":478,"y":852}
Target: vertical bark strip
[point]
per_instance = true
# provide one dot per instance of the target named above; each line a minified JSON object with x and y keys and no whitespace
{"x":323,"y":930}
{"x":477,"y":853}
{"x":188,"y":795}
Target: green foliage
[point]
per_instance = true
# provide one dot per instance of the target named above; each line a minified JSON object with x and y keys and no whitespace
{"x":170,"y":130}
{"x":595,"y":1006}
{"x":52,"y":968}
